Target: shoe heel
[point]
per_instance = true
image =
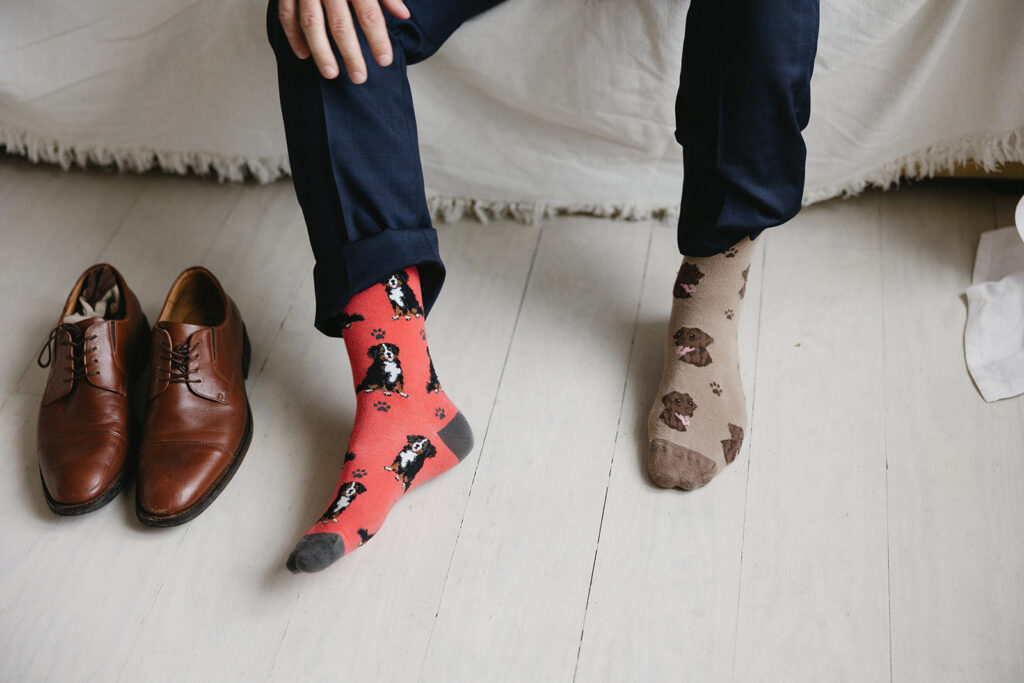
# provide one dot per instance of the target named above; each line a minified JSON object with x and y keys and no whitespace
{"x":246,"y":353}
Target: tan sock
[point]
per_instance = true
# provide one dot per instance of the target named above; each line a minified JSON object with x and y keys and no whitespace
{"x":699,"y":416}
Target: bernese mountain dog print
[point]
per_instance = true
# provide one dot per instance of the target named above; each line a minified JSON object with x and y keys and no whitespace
{"x":346,"y":496}
{"x":433,"y":385}
{"x":401,"y":297}
{"x":679,"y":408}
{"x":385,"y":372}
{"x":410,"y":459}
{"x":686,"y":281}
{"x":692,"y":345}
{"x":364,"y":536}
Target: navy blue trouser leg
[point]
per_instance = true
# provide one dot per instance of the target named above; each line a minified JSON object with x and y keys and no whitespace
{"x":744,"y":97}
{"x":355,"y":160}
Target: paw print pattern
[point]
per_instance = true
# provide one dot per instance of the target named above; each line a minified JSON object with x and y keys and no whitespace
{"x":730,"y":252}
{"x":440,"y":413}
{"x":423,"y":335}
{"x":728,"y":313}
{"x":359,"y":473}
{"x":382,"y":406}
{"x":716,"y":388}
{"x":378,"y":333}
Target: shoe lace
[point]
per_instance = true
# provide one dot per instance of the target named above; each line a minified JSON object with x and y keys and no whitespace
{"x":79,"y":367}
{"x":181,"y":357}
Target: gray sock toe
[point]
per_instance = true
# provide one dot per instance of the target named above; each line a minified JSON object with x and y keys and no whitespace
{"x":315,"y":552}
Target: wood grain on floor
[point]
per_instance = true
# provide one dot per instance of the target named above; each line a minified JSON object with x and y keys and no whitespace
{"x":871,"y":529}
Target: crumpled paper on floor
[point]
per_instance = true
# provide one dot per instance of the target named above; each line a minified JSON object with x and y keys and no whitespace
{"x":994,"y":333}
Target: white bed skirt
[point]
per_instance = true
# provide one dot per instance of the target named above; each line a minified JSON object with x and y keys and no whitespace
{"x":533,"y":109}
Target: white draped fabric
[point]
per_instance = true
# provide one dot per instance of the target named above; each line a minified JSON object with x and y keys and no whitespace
{"x":533,"y":108}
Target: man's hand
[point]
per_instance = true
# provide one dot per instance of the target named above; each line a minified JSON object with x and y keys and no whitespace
{"x":307,"y":22}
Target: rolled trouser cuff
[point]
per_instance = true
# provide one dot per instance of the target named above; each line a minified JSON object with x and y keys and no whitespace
{"x":363,"y":263}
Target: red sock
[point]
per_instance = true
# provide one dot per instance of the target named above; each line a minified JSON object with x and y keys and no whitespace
{"x":406,"y":430}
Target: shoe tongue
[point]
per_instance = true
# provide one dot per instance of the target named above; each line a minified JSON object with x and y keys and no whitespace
{"x":179,"y":332}
{"x":79,"y":328}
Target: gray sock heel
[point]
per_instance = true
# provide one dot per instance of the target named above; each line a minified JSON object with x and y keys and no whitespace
{"x":458,"y":436}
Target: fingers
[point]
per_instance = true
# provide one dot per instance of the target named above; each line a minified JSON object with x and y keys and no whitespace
{"x":371,"y":18}
{"x":289,"y":17}
{"x":307,"y":28}
{"x":339,"y":20}
{"x":397,"y":8}
{"x":311,"y":20}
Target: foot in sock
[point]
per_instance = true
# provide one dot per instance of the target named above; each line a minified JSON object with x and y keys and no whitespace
{"x":406,"y":429}
{"x":699,"y":417}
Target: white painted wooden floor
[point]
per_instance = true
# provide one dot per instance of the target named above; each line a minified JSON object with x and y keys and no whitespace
{"x":872,"y":528}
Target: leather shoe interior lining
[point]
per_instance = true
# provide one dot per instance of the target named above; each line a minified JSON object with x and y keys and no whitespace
{"x":196,"y":300}
{"x":97,"y":295}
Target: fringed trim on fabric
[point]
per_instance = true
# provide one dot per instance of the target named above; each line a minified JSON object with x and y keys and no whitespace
{"x":451,"y":209}
{"x":988,"y":151}
{"x":232,"y":168}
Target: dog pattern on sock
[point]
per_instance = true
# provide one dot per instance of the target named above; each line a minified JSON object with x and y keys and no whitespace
{"x":692,"y":345}
{"x":346,"y":320}
{"x":731,"y":446}
{"x":401,"y":297}
{"x":346,"y":496}
{"x":686,"y":281}
{"x":433,"y":384}
{"x":402,"y":441}
{"x":410,"y":459}
{"x":679,"y":408}
{"x":700,"y":406}
{"x":385,"y":372}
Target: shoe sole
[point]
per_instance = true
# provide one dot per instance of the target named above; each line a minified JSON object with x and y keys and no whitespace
{"x":197,"y":508}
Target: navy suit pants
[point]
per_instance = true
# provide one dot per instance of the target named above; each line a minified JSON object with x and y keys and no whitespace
{"x":744,"y":98}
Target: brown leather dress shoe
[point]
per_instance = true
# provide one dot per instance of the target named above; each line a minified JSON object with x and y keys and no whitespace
{"x":86,"y":429}
{"x":198,"y":423}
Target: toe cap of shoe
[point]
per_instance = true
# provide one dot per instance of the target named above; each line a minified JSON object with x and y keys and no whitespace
{"x":78,"y":471}
{"x":174,"y":477}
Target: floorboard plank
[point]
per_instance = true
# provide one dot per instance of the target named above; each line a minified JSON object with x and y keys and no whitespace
{"x":956,"y":515}
{"x":514,"y":601}
{"x":666,"y":578}
{"x":813,"y":595}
